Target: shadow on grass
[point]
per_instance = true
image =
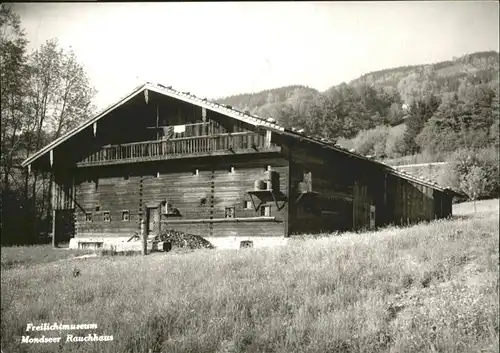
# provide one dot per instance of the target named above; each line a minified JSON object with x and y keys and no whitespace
{"x":461,"y":217}
{"x":111,"y":252}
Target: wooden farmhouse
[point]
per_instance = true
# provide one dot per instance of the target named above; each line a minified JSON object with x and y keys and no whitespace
{"x":171,"y":161}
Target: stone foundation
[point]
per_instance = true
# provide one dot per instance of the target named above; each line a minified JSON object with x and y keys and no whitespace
{"x":99,"y":242}
{"x":121,"y":244}
{"x":257,"y":242}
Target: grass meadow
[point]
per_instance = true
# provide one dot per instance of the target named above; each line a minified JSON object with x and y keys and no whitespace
{"x":427,"y":288}
{"x":23,"y":256}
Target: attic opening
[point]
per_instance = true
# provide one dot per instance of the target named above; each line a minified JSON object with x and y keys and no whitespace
{"x":168,"y":117}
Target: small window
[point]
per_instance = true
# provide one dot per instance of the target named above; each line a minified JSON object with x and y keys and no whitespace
{"x":229,"y":212}
{"x":88,"y":217}
{"x":107,"y":217}
{"x":247,"y":205}
{"x":265,"y":211}
{"x":125,"y":216}
{"x":97,"y":208}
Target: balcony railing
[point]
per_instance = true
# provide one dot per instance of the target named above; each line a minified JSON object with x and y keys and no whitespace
{"x":240,"y":142}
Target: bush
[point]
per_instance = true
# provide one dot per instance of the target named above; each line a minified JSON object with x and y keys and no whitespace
{"x":372,"y":142}
{"x":395,"y":145}
{"x":495,"y":134}
{"x":468,"y":161}
{"x":435,"y":139}
{"x":474,"y":183}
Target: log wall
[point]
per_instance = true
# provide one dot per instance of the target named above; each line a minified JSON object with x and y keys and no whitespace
{"x":353,"y":194}
{"x":410,"y":202}
{"x":330,"y":205}
{"x":196,"y":195}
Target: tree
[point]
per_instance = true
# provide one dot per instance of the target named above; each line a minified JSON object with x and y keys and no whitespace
{"x":464,"y":160}
{"x":495,"y":133}
{"x":395,"y":114}
{"x":60,"y":99}
{"x":394,"y":145}
{"x":13,"y":77}
{"x":60,"y":92}
{"x":473,"y":183}
{"x":301,"y":100}
{"x":420,"y":113}
{"x":418,"y":86}
{"x":74,"y":97}
{"x":43,"y":95}
{"x":289,"y":117}
{"x":465,"y":119}
{"x":372,"y":142}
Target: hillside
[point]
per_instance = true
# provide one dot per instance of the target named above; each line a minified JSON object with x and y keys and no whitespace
{"x":481,"y":66}
{"x":250,"y":101}
{"x":437,"y":108}
{"x":271,"y":102}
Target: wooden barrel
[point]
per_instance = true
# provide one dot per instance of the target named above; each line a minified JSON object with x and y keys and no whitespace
{"x":271,"y":178}
{"x":259,"y":185}
{"x":246,"y":244}
{"x":167,"y":245}
{"x":304,"y":186}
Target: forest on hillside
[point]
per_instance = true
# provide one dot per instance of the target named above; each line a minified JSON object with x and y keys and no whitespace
{"x":443,"y":106}
{"x":447,"y":111}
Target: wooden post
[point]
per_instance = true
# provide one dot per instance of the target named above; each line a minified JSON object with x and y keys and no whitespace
{"x":268,"y":139}
{"x":157,"y":121}
{"x":203,"y":114}
{"x":354,"y":205}
{"x":54,"y":242}
{"x":144,"y":237}
{"x":385,"y":218}
{"x":54,"y":203}
{"x":159,"y":220}
{"x":73,"y":191}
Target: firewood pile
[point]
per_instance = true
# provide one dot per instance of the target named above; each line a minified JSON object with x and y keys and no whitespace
{"x":184,"y":240}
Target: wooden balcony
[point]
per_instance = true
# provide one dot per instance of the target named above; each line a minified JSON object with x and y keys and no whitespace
{"x":198,"y":146}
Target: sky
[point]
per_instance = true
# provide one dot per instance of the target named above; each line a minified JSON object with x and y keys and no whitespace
{"x":219,"y":49}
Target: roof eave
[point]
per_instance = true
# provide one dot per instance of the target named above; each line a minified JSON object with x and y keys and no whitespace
{"x":216,"y":107}
{"x":86,"y":124}
{"x":167,"y":91}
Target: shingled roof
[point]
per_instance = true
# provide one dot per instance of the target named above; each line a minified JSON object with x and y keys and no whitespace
{"x":253,"y":119}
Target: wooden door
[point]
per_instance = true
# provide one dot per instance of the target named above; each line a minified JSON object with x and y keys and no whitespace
{"x":153,"y":219}
{"x":64,"y":226}
{"x":372,"y":217}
